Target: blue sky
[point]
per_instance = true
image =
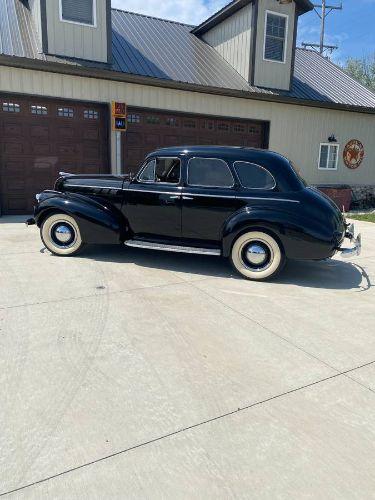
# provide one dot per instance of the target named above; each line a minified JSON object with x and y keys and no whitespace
{"x":353,"y":29}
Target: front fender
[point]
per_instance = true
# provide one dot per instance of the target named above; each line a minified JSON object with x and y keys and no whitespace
{"x":98,"y":223}
{"x":300,"y":236}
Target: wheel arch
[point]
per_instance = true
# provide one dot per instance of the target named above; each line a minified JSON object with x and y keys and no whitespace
{"x":97,"y":223}
{"x":244,"y":224}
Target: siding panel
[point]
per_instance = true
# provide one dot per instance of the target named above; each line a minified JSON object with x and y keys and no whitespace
{"x":75,"y":40}
{"x":232,"y":39}
{"x":271,"y":74}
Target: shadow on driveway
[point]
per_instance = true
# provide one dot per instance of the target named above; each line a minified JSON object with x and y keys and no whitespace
{"x":330,"y":274}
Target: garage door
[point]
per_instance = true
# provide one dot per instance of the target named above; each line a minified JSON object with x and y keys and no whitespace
{"x":149,"y":130}
{"x":40,"y":138}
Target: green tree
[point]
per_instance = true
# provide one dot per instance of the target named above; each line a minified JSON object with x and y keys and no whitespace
{"x":363,"y":70}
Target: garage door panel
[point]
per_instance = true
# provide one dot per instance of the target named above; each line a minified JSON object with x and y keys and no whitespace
{"x":34,"y":148}
{"x":149,"y":130}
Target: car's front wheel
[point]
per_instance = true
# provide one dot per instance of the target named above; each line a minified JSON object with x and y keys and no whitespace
{"x":257,"y":256}
{"x":61,"y":235}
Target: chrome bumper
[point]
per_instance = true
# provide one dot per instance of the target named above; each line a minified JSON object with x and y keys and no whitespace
{"x":355,"y":250}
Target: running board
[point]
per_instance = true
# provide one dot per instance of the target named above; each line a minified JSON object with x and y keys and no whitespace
{"x":150,"y":245}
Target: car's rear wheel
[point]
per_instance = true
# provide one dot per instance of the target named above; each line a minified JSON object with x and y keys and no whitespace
{"x":61,"y":235}
{"x":257,"y":255}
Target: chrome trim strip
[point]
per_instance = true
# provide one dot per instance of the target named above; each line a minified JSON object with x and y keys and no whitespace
{"x":180,"y":193}
{"x":150,"y":245}
{"x":92,"y":187}
{"x":269,"y":199}
{"x":241,"y":197}
{"x":177,"y":193}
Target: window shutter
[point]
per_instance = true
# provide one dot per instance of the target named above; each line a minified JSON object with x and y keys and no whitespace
{"x":81,"y":11}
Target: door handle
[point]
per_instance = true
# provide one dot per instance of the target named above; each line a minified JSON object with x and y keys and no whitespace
{"x":187,"y":198}
{"x":174,"y":197}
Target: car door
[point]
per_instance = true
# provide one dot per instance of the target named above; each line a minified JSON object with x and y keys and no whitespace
{"x":209,"y":199}
{"x":152,"y":202}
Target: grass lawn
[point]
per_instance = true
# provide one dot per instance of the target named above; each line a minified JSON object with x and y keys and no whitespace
{"x":365,"y":217}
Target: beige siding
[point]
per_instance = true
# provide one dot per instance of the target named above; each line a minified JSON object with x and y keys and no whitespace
{"x":232,"y":39}
{"x":36,"y":16}
{"x":269,"y":73}
{"x":76,"y":40}
{"x":296,"y":131}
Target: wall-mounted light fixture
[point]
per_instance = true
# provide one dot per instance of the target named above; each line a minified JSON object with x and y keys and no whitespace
{"x":332,"y":138}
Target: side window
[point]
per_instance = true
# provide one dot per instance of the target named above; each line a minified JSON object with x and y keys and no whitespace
{"x":328,"y":156}
{"x":254,"y":176}
{"x":162,"y":170}
{"x":209,"y":172}
{"x":276,"y":27}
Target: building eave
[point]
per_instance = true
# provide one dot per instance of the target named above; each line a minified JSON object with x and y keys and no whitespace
{"x":105,"y":74}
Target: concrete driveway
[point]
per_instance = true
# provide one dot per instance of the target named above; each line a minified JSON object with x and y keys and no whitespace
{"x":133,"y":374}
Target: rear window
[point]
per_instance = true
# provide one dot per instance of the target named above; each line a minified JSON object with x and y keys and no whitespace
{"x":209,"y":172}
{"x":254,"y":176}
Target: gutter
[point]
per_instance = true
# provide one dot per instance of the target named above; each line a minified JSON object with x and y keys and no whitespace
{"x":104,"y":74}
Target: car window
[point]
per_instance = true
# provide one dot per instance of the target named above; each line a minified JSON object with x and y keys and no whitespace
{"x":162,"y":170}
{"x":209,"y":172}
{"x":254,"y":176}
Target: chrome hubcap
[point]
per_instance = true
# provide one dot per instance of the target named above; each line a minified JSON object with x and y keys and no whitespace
{"x":63,"y":234}
{"x":256,"y":254}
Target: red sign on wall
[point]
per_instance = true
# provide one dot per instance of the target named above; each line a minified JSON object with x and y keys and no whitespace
{"x":354,"y":153}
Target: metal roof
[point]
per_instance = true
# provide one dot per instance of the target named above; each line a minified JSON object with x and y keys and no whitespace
{"x":167,"y":51}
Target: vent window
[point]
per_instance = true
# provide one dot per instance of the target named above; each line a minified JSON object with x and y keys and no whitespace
{"x":11,"y":107}
{"x":275,"y":37}
{"x":329,"y":156}
{"x":82,"y":11}
{"x":65,"y":112}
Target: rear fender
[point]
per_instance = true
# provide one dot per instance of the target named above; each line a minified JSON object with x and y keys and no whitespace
{"x":98,"y":223}
{"x":300,"y":237}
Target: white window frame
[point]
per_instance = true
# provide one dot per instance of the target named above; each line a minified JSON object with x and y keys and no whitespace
{"x":329,"y":144}
{"x":265,"y":36}
{"x":94,"y":25}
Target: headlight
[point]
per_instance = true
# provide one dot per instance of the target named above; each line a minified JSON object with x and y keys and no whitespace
{"x":37,"y":197}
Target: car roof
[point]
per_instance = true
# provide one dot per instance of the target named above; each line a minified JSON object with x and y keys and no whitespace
{"x":217,"y":151}
{"x":279,"y":166}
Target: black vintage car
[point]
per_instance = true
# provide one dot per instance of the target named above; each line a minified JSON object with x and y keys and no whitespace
{"x":246,"y":204}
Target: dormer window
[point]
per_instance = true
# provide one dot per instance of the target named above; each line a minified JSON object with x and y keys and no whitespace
{"x":276,"y":28}
{"x":78,"y":12}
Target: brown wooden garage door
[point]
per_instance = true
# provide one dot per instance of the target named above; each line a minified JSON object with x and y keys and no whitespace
{"x":40,"y":138}
{"x":149,"y":130}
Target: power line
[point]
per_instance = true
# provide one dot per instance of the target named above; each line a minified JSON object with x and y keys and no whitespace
{"x":323,"y":10}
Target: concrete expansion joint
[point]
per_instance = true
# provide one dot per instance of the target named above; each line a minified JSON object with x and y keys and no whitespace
{"x":191,"y":427}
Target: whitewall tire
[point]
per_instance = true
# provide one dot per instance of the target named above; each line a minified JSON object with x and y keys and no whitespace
{"x":61,"y":235}
{"x":257,"y":256}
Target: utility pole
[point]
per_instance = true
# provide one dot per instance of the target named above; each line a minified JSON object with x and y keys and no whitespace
{"x":323,"y":10}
